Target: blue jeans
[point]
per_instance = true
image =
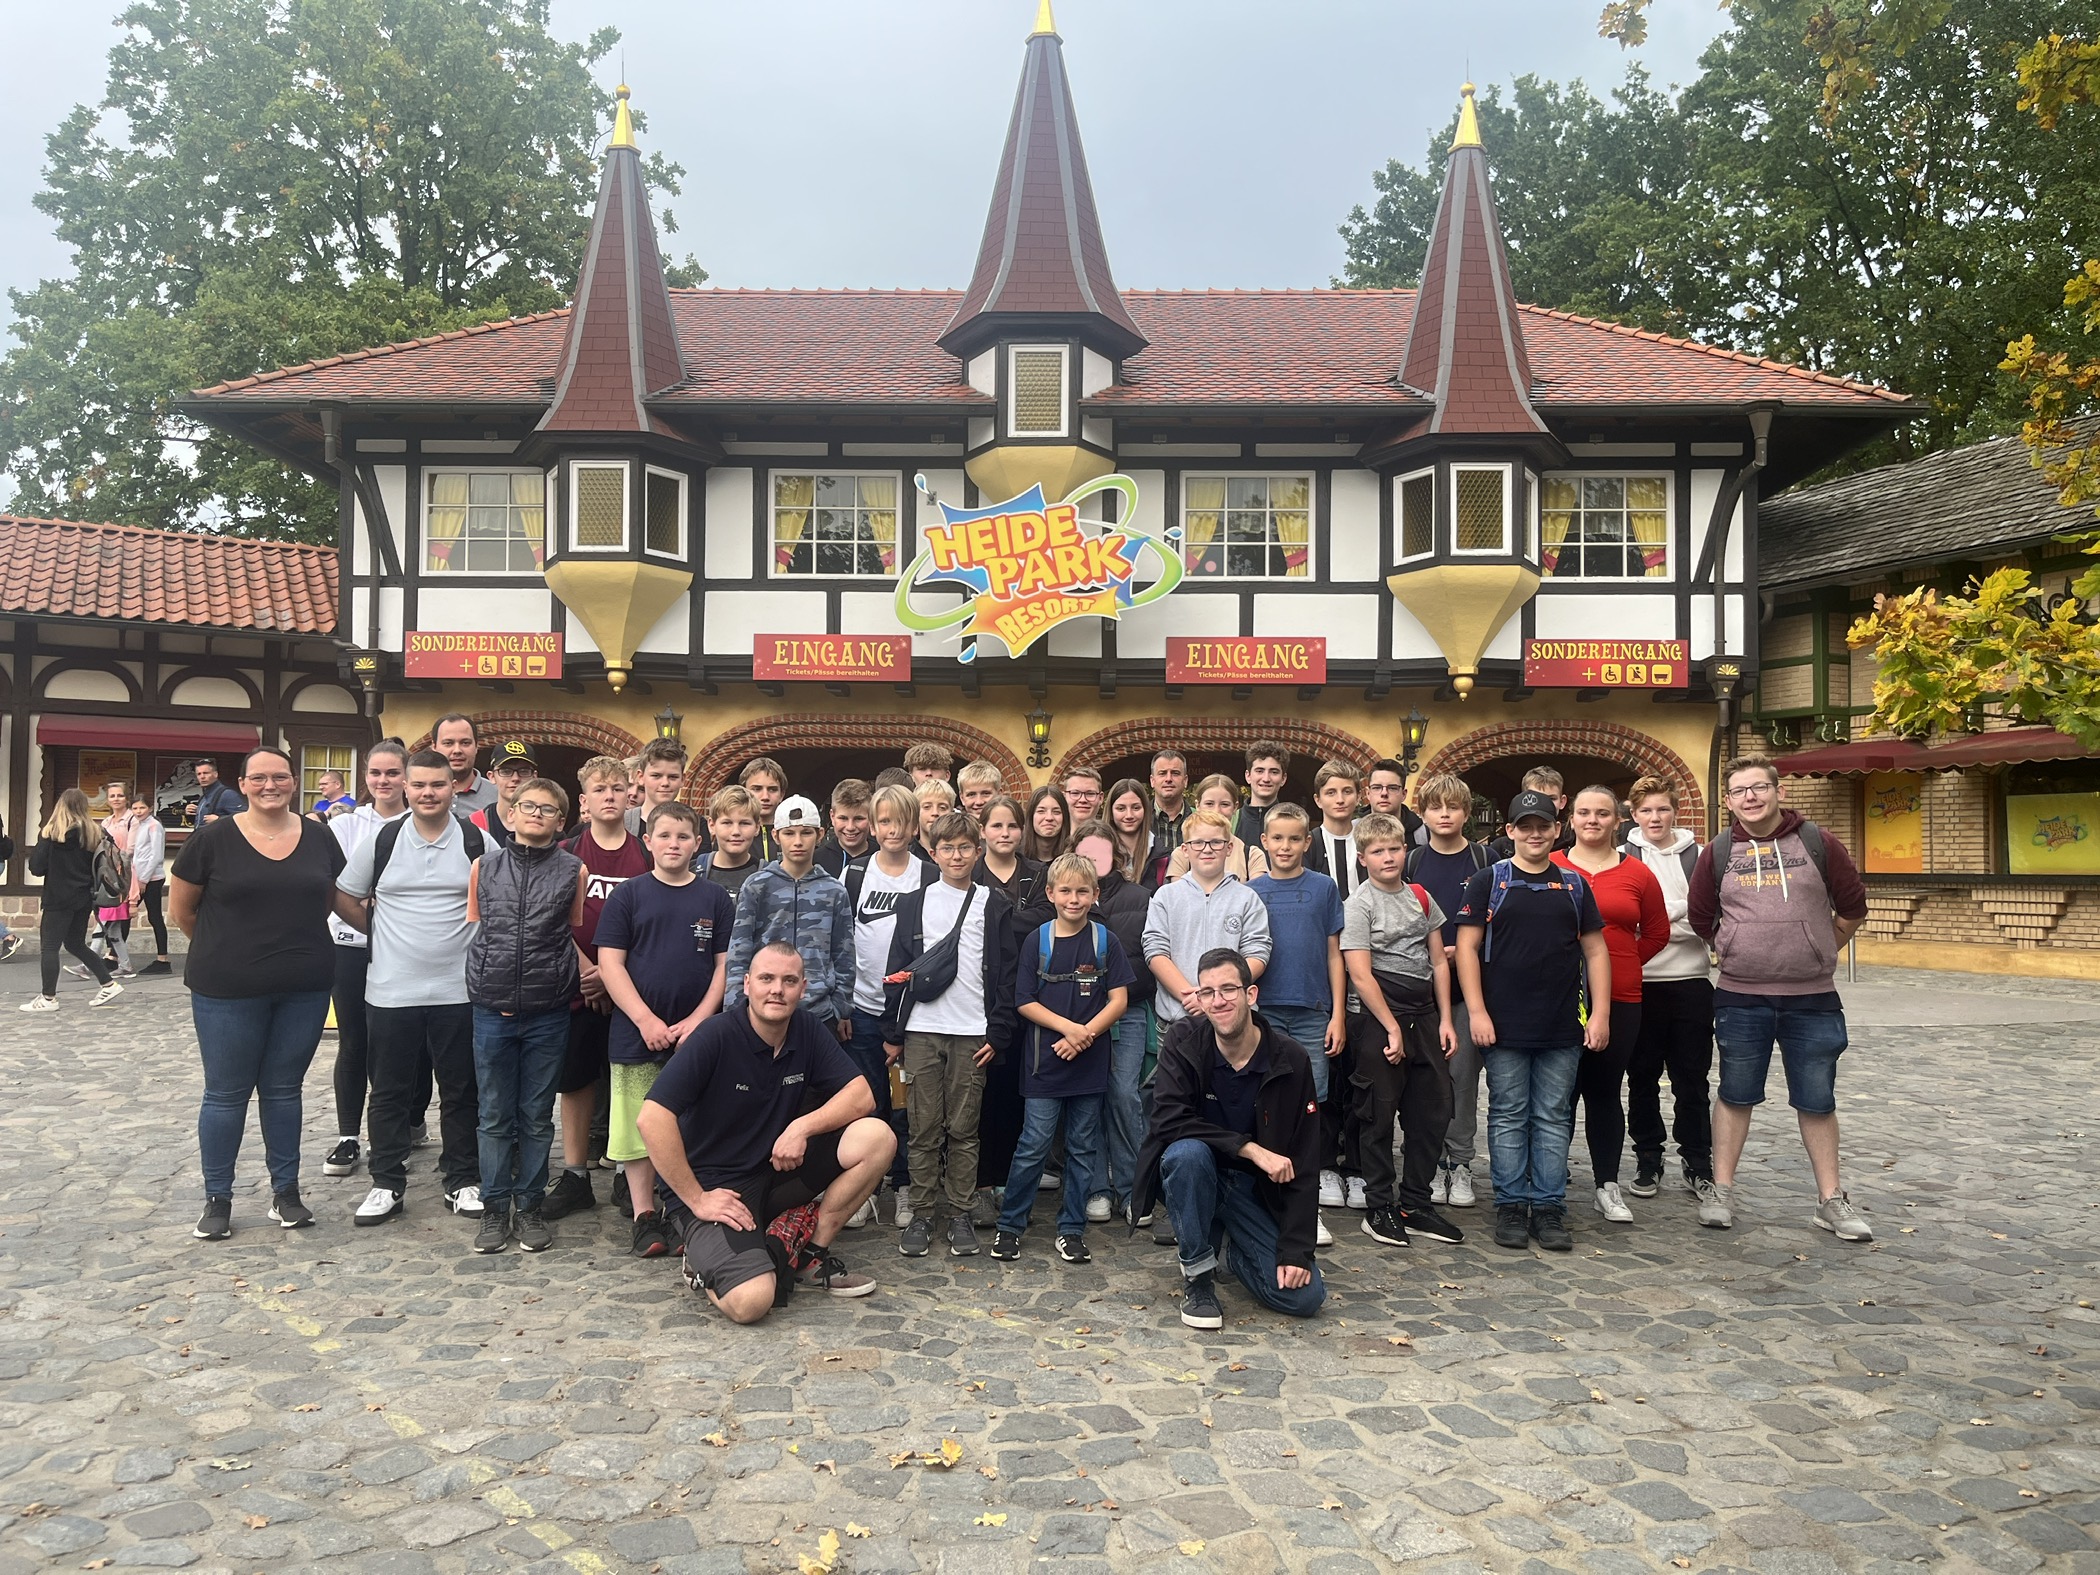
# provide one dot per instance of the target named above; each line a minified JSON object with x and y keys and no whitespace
{"x":1531,"y":1121}
{"x":517,"y":1062}
{"x":1124,"y":1112}
{"x":865,"y":1051}
{"x":1081,"y":1114}
{"x":255,"y":1046}
{"x":1307,"y":1025}
{"x":1810,"y":1043}
{"x":1210,"y":1205}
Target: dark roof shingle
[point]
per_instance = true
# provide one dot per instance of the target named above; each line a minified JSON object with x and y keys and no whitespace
{"x":66,"y":569}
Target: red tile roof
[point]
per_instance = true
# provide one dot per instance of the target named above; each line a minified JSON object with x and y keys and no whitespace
{"x":1208,"y":347}
{"x":65,"y":569}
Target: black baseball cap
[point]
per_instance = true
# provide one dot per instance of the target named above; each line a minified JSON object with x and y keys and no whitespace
{"x":512,"y":751}
{"x":1532,"y":806}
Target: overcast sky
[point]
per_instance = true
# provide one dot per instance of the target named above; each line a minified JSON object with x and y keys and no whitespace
{"x":852,"y":142}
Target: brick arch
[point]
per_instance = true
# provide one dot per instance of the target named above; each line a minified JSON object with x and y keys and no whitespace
{"x":1149,"y":734}
{"x":558,"y":729}
{"x":1600,"y":740}
{"x":717,"y":764}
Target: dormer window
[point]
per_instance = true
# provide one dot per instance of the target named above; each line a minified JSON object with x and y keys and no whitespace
{"x":1036,"y":383}
{"x":664,"y":495}
{"x":1480,"y":508}
{"x":597,"y":505}
{"x":1417,"y":511}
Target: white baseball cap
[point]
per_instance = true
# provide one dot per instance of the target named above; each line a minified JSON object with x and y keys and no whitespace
{"x":796,"y":811}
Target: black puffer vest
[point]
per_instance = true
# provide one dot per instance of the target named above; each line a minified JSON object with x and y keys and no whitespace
{"x":521,"y":958}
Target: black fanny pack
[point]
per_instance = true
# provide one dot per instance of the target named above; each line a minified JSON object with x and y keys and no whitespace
{"x":930,"y":977}
{"x":1405,"y":995}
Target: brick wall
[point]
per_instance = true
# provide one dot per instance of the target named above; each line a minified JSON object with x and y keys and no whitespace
{"x":2013,"y":915}
{"x":1958,"y":811}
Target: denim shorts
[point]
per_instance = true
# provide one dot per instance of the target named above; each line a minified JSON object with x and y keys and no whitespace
{"x":1810,"y":1042}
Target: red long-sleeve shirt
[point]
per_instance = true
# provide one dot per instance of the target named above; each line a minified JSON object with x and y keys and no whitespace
{"x":1636,"y":919}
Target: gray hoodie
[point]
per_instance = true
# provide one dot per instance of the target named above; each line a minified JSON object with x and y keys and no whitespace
{"x":1183,"y":922}
{"x":1686,"y":955}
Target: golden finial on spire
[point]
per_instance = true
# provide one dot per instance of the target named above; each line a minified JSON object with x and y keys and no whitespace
{"x":1468,"y":122}
{"x":1044,"y":21}
{"x":623,"y":122}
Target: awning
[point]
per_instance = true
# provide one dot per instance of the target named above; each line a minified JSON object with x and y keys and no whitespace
{"x":2007,"y":747}
{"x":161,"y":733}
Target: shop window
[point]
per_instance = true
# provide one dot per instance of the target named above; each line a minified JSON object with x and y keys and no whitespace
{"x":1894,"y":805}
{"x":1480,"y":508}
{"x":1247,"y":527}
{"x":317,"y":758}
{"x":484,"y":522}
{"x":1606,"y":527}
{"x":2052,"y":818}
{"x":1036,"y":397}
{"x":834,"y":524}
{"x":598,"y":505}
{"x":664,"y":499}
{"x":1417,"y":515}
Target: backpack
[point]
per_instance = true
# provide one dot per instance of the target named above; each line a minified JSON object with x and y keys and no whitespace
{"x":1687,"y":856}
{"x":1505,"y":875}
{"x":1808,"y":831}
{"x":855,"y":876}
{"x":1413,"y":867}
{"x":1047,"y":940}
{"x":112,"y":874}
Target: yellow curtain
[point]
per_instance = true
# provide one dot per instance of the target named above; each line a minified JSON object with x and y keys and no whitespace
{"x":1202,"y":514}
{"x":1558,"y":514}
{"x":878,"y":503}
{"x":447,"y":520}
{"x":528,"y":500}
{"x":1293,"y":530}
{"x":1647,"y":503}
{"x":792,"y":497}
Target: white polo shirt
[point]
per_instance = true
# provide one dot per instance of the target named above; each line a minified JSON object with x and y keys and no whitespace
{"x":419,"y":931}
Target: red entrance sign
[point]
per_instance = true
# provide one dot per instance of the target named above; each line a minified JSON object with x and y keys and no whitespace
{"x":1607,"y":664}
{"x":1246,"y":661}
{"x":831,"y":658}
{"x":445,"y":653}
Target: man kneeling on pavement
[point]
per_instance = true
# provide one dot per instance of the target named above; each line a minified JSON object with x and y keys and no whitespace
{"x":1234,"y":1150}
{"x":765,"y":1132}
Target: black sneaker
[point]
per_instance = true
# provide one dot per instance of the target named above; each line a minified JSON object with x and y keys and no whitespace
{"x":1512,"y":1226}
{"x":531,"y":1228}
{"x":1073,"y":1249}
{"x":494,"y":1234}
{"x":342,"y":1160}
{"x":962,"y":1238}
{"x":623,"y":1198}
{"x":916,"y":1239}
{"x":216,"y":1222}
{"x":1199,"y":1303}
{"x":1430,"y":1225}
{"x":570,"y":1193}
{"x":1647,"y":1176}
{"x":649,"y":1238}
{"x":1385,"y":1225}
{"x":1550,"y":1226}
{"x":1006,"y":1245}
{"x":149,"y":971}
{"x":288,"y":1211}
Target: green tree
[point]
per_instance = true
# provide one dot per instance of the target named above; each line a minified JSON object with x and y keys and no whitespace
{"x":294,"y":179}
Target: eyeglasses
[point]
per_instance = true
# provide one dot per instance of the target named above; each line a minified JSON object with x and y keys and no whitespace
{"x":1755,"y":790}
{"x":1220,"y":993}
{"x":282,"y":780}
{"x":536,"y":809}
{"x":1209,"y":845}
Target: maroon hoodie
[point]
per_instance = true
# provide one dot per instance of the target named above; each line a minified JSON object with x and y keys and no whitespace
{"x":1773,"y":932}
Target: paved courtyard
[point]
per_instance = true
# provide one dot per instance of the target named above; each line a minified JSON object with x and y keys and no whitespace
{"x":1664,"y":1398}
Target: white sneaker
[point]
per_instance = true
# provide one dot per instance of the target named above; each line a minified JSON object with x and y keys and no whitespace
{"x":1612,"y":1205}
{"x":108,"y":993}
{"x":1099,"y":1209}
{"x":1716,"y":1205}
{"x":40,"y":1003}
{"x":381,"y":1203}
{"x":862,"y":1216}
{"x":1359,"y":1195}
{"x":467,"y":1201}
{"x":1331,"y":1195}
{"x":904,"y":1215}
{"x":1838,"y":1215}
{"x":1050,"y":1181}
{"x":419,"y":1135}
{"x":1462,"y":1187}
{"x":1322,"y":1236}
{"x":1440,"y":1186}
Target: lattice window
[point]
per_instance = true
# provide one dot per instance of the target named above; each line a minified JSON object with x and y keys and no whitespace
{"x":600,"y":494}
{"x":1038,"y":378}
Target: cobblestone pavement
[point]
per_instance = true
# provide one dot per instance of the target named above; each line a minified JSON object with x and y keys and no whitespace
{"x":1769,"y":1399}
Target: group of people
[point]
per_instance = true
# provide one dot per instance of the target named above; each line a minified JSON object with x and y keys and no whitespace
{"x":97,"y":871}
{"x":1194,"y":1007}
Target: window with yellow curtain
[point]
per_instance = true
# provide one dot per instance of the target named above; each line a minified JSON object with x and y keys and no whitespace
{"x":317,"y":758}
{"x":1247,"y":527}
{"x":1599,"y":527}
{"x":834,"y":524}
{"x":484,"y":522}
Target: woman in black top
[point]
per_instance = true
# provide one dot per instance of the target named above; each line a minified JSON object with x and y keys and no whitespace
{"x":253,"y":892}
{"x":64,"y":856}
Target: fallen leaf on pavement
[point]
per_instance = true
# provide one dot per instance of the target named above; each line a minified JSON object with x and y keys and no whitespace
{"x":827,"y":1555}
{"x":1192,"y":1547}
{"x":996,"y":1518}
{"x":255,"y":1522}
{"x":853,"y":1530}
{"x":717,"y":1439}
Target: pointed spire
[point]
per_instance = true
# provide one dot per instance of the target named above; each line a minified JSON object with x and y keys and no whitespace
{"x":1465,"y":348}
{"x":1042,"y":266}
{"x":622,"y":343}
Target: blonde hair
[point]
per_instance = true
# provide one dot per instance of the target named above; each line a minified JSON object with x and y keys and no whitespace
{"x":70,"y":814}
{"x":732,"y":798}
{"x":901,"y":804}
{"x":607,"y":768}
{"x":931,"y":786}
{"x":1338,"y":770}
{"x":979,"y":771}
{"x":1205,"y":817}
{"x":1375,"y":828}
{"x":1444,"y":791}
{"x":1648,"y":787}
{"x":1218,"y":780}
{"x":1072,"y":870}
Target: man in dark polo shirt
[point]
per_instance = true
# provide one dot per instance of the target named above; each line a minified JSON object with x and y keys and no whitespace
{"x":759,"y":1112}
